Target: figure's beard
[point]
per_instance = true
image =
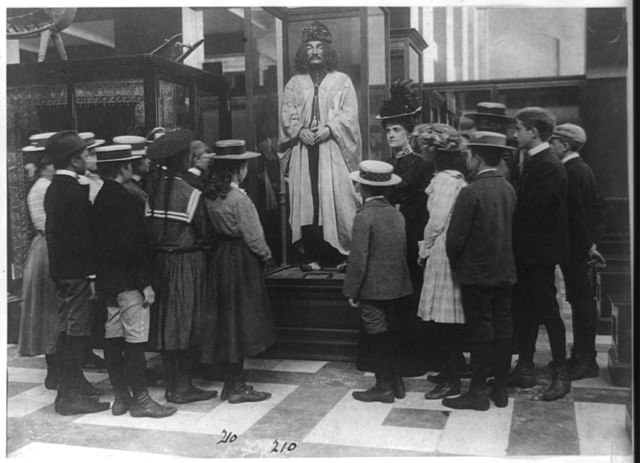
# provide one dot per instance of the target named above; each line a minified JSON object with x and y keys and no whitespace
{"x":316,"y":66}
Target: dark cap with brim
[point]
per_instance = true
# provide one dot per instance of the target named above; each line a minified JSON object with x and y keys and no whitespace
{"x":171,"y":144}
{"x":62,"y":145}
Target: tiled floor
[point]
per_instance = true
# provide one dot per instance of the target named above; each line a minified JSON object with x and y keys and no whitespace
{"x":312,"y":414}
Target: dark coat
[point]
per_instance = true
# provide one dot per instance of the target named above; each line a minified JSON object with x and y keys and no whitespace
{"x":196,"y":181}
{"x":377,"y":267}
{"x":122,"y":245}
{"x":585,"y":210}
{"x":540,"y":231}
{"x":68,"y":229}
{"x":479,"y":234}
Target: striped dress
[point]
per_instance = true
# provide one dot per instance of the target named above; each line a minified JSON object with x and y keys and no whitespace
{"x":440,"y":299}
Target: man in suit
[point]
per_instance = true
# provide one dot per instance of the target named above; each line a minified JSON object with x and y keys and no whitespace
{"x":586,"y":223}
{"x":195,"y":175}
{"x":540,"y":242}
{"x":124,"y":282}
{"x":377,"y":274}
{"x":69,"y":238}
{"x":479,"y":250}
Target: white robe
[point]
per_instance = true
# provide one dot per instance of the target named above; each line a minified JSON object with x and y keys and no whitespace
{"x":339,"y":155}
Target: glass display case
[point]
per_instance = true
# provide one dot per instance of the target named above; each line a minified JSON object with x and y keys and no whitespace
{"x":108,"y":96}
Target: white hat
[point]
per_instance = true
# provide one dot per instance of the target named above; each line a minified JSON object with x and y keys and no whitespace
{"x":490,"y":139}
{"x":90,"y":140}
{"x":375,"y":173}
{"x":231,"y":150}
{"x":138,"y":144}
{"x":37,"y":141}
{"x":115,"y":153}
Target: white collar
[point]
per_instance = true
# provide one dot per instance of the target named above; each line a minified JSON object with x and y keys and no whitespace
{"x":70,"y":173}
{"x":569,"y":157}
{"x":195,"y":171}
{"x":541,"y":147}
{"x":237,"y":187}
{"x":487,"y":170}
{"x":136,"y":177}
{"x":374,"y":197}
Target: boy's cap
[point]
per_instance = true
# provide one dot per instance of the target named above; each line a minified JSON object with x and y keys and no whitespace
{"x":375,"y":173}
{"x":570,"y":131}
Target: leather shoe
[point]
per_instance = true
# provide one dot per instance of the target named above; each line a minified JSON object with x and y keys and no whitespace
{"x":246,"y":393}
{"x":443,"y":390}
{"x":121,"y":403}
{"x":144,"y":406}
{"x":399,"y":390}
{"x":500,"y":396}
{"x":560,"y":385}
{"x":375,"y":394}
{"x":436,"y":379}
{"x":523,"y":375}
{"x":585,"y":368}
{"x":192,"y":395}
{"x":81,"y":405}
{"x":468,"y":401}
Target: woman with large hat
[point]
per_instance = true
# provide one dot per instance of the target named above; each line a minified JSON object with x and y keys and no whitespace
{"x":178,"y":226}
{"x":39,"y":318}
{"x":398,"y":116}
{"x":440,"y":299}
{"x":237,"y":319}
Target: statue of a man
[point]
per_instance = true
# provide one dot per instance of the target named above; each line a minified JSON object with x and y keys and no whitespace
{"x":319,"y":124}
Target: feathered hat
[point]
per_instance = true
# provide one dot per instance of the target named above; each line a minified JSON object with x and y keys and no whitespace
{"x":401,"y":102}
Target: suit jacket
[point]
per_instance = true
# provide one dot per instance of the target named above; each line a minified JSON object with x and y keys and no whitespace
{"x":585,"y":210}
{"x":122,"y":245}
{"x":377,"y":267}
{"x":540,"y":230}
{"x":479,"y":234}
{"x":196,"y":181}
{"x":68,"y":228}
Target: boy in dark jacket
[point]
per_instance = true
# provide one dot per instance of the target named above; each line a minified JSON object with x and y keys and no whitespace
{"x":124,"y":281}
{"x":481,"y":257}
{"x":377,"y":274}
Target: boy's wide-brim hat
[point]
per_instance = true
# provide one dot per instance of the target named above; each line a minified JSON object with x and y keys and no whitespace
{"x":90,"y":140}
{"x":170,"y":144}
{"x":115,"y":153}
{"x":488,"y":140}
{"x":138,"y":144}
{"x":490,"y":110}
{"x":37,"y":142}
{"x":62,"y":145}
{"x":231,"y":150}
{"x":375,"y":173}
{"x":316,"y":31}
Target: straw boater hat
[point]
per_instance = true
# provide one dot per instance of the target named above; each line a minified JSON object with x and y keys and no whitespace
{"x":490,"y":110}
{"x":37,"y":142}
{"x":375,"y":173}
{"x":231,"y":150}
{"x":90,"y":140}
{"x":154,"y":134}
{"x":400,"y":104}
{"x":115,"y":153}
{"x":170,"y":144}
{"x":488,"y":139}
{"x":138,"y":144}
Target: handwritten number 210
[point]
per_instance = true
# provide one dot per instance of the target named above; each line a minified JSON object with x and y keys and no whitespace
{"x":227,"y":437}
{"x":285,"y":446}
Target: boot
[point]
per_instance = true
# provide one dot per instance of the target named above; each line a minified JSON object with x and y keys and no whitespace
{"x":121,"y":402}
{"x":474,"y":399}
{"x":501,"y":363}
{"x":446,"y":388}
{"x":144,"y":406}
{"x":236,"y":390}
{"x":51,"y":381}
{"x":71,"y":401}
{"x":186,"y":392}
{"x":383,"y":389}
{"x":585,"y":366}
{"x":560,"y":384}
{"x":523,"y":375}
{"x":170,"y":373}
{"x":399,"y":391}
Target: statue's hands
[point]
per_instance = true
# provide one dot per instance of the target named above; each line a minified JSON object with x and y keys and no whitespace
{"x":322,"y":134}
{"x":307,"y":137}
